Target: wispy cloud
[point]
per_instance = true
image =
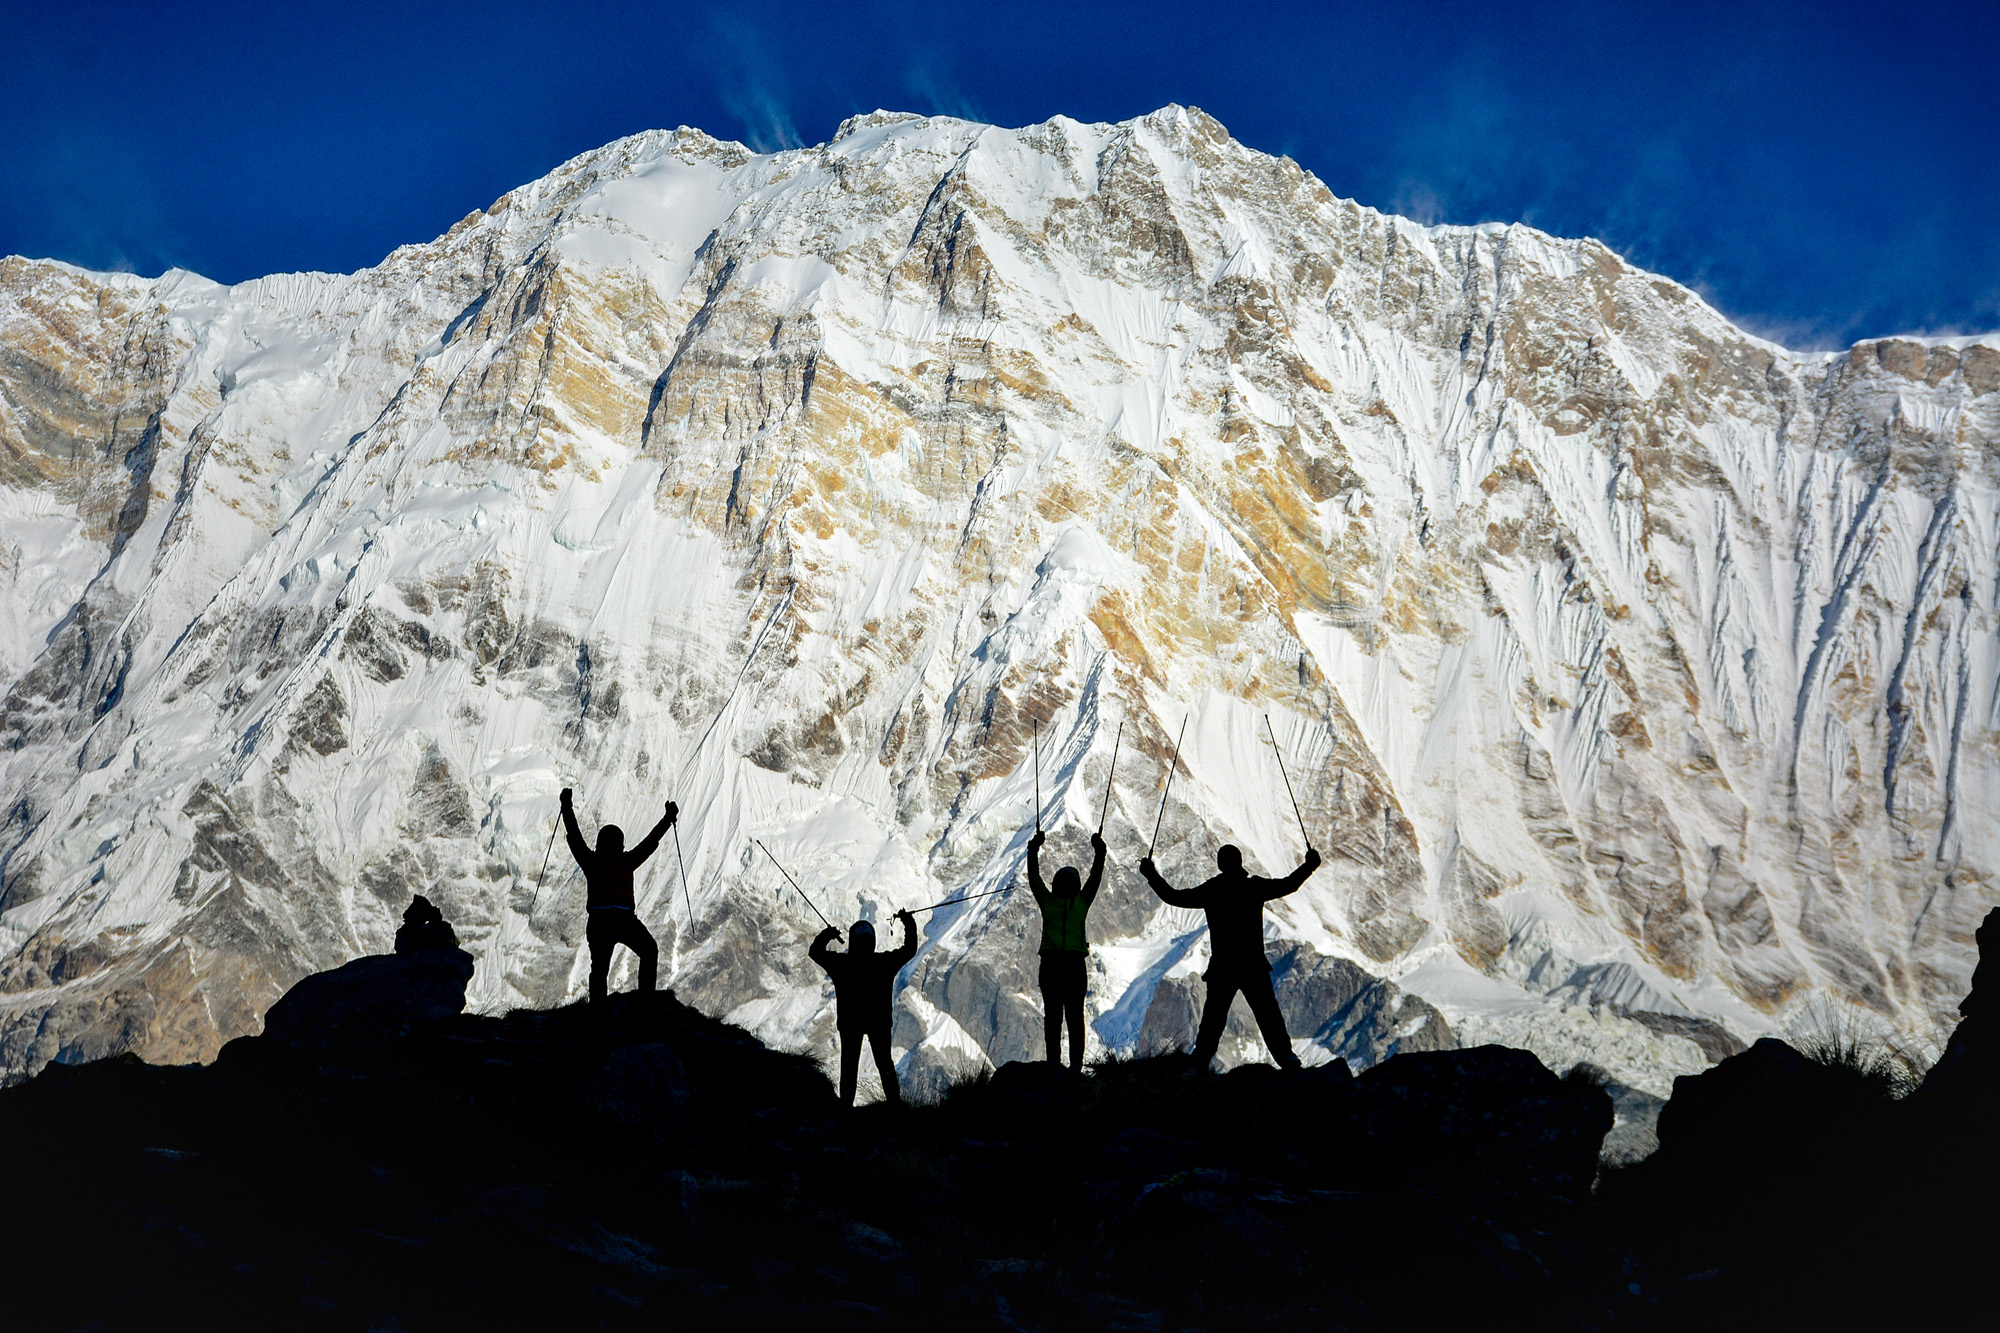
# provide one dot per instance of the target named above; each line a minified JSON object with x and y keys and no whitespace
{"x":937,"y":94}
{"x":1474,"y":156}
{"x":90,"y":203}
{"x":752,"y":84}
{"x":767,"y":123}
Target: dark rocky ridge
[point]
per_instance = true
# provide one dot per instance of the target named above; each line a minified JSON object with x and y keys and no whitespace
{"x":377,"y":1159}
{"x":1800,"y":1192}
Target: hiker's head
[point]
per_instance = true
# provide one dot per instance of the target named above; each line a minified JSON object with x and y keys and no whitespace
{"x":861,"y":938}
{"x":611,"y":838}
{"x":421,"y":909}
{"x":1067,"y":880}
{"x":1229,"y":858}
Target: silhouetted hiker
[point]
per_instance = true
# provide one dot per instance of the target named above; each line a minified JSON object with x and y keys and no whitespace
{"x":1235,"y":902}
{"x":1064,"y":950}
{"x":614,"y":917}
{"x":863,"y":984}
{"x":424,"y":927}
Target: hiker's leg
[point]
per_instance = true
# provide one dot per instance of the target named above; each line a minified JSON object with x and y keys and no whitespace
{"x":885,"y":1065}
{"x":850,"y":1065}
{"x":1214,"y":1015}
{"x":1073,"y":991}
{"x":641,"y":942}
{"x":1052,"y":1008}
{"x":1270,"y":1018}
{"x":603,"y":938}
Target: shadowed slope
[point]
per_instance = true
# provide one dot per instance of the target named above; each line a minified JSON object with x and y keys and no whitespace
{"x":639,"y":1160}
{"x":636,"y":1161}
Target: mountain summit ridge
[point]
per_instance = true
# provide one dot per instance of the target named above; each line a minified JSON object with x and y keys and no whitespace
{"x":1636,"y":673}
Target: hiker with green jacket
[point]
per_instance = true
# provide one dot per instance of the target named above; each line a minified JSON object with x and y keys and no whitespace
{"x":1065,"y":909}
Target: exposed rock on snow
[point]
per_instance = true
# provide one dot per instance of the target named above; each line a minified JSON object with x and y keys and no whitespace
{"x":1638,"y":677}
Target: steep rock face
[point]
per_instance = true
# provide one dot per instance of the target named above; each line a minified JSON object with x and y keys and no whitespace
{"x":1638,"y":678}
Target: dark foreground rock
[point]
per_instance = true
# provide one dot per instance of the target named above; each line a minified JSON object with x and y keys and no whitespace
{"x":350,"y":1011}
{"x":1963,"y":1090}
{"x":380,"y":1160}
{"x":1797,"y":1192}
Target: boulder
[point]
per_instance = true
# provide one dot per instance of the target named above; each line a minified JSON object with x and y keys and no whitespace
{"x":1036,"y":1086}
{"x":1727,"y":1112}
{"x":365,"y":1005}
{"x":1489,"y":1118}
{"x":1733,"y":1117}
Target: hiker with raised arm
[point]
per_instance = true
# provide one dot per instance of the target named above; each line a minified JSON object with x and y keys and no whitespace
{"x":1234,"y":901}
{"x":614,"y":916}
{"x":1065,"y":951}
{"x":864,"y":983}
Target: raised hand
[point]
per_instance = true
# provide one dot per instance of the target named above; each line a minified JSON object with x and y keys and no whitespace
{"x":1097,"y":842}
{"x":565,"y":795}
{"x":1037,"y":841}
{"x":1146,"y":866}
{"x":1312,"y":858}
{"x":673,"y":812}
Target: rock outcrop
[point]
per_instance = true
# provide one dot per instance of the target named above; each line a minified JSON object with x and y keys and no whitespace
{"x":634,"y":1161}
{"x":1964,"y":1085}
{"x":364,"y":1003}
{"x":1812,"y":1186}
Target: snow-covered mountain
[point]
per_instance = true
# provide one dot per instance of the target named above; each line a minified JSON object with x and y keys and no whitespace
{"x":1638,"y":678}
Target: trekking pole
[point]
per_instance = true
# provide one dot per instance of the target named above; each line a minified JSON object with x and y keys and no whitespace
{"x":795,"y":885}
{"x":686,"y":897}
{"x":545,"y":865}
{"x":1104,"y":812}
{"x":966,"y":898}
{"x":687,"y":894}
{"x":1169,"y":787}
{"x":741,"y":672}
{"x":1038,"y":775}
{"x":1288,"y":779}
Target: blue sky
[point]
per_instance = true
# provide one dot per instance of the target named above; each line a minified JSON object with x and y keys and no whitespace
{"x":1821,"y":173}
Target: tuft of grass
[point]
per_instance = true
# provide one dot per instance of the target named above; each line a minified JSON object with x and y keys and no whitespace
{"x":1836,"y":1039}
